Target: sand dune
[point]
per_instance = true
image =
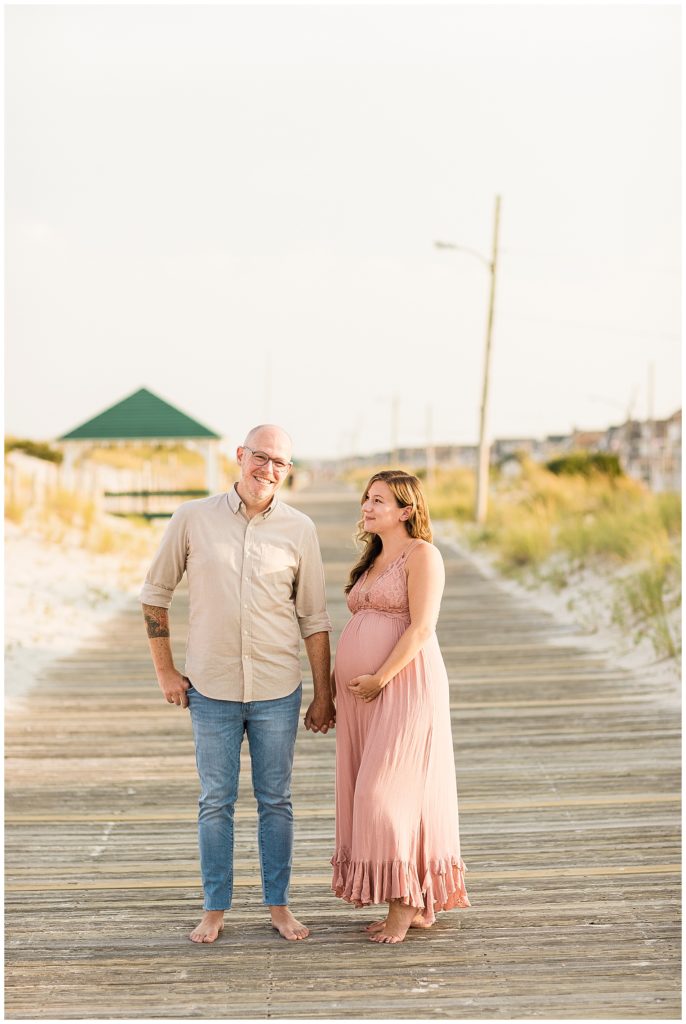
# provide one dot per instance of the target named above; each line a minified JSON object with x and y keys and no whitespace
{"x":56,"y":596}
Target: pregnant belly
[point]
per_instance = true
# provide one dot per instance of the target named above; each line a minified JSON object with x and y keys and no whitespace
{"x":365,"y":643}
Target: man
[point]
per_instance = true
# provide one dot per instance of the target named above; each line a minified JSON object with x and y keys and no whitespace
{"x":256,"y":584}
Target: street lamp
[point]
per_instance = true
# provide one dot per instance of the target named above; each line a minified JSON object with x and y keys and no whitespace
{"x":484,"y":448}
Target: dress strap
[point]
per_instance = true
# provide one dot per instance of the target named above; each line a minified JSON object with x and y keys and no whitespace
{"x":410,"y":547}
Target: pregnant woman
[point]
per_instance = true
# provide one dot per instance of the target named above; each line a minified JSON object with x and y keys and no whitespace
{"x":397,"y":833}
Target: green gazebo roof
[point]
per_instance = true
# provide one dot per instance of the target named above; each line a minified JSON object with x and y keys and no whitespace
{"x":141,"y":416}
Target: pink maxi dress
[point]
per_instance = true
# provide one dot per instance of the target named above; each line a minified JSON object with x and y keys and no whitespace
{"x":397,"y":831}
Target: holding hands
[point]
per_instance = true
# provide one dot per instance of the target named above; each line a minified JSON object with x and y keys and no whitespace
{"x":367,"y":687}
{"x":321,"y":715}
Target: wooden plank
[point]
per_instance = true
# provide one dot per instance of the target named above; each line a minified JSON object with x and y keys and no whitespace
{"x":316,"y":812}
{"x":186,"y":883}
{"x":568,"y":773}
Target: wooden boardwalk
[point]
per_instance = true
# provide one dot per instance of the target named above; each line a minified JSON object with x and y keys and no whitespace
{"x":568,"y":775}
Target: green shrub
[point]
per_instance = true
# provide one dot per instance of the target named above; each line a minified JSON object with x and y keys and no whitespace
{"x":585,"y":464}
{"x":37,"y":449}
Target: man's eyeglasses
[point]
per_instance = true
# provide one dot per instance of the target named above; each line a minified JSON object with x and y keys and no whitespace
{"x":261,"y":458}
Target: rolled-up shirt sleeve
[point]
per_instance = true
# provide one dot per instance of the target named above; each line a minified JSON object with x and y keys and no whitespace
{"x":168,"y":565}
{"x":310,"y":589}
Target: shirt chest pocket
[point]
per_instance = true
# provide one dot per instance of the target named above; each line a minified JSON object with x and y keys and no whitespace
{"x":277,"y":562}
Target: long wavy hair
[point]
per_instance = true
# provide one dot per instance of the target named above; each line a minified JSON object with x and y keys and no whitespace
{"x":408,"y":493}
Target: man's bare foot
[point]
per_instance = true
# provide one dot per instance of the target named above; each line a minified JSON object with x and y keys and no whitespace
{"x":395,"y":927}
{"x":210,"y":927}
{"x":417,"y":922}
{"x":286,"y":925}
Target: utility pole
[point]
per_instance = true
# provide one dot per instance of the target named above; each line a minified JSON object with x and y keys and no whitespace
{"x":484,"y":447}
{"x":430,"y":450}
{"x":481,"y":502}
{"x":650,"y":426}
{"x":394,"y":430}
{"x":628,"y":438}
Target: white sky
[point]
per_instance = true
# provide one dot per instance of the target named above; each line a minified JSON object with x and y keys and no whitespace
{"x":194,"y":194}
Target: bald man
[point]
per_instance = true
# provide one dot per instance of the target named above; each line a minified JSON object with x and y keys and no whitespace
{"x":256,"y":586}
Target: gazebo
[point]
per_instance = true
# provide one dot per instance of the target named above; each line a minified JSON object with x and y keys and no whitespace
{"x":145,"y":417}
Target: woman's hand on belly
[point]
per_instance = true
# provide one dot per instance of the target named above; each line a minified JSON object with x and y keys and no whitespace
{"x":366,"y":687}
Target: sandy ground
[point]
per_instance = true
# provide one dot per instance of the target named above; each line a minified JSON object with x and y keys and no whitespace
{"x":586,"y":602}
{"x":56,"y":597}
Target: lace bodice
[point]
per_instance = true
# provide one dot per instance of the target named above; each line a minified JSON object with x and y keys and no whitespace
{"x":387,"y":593}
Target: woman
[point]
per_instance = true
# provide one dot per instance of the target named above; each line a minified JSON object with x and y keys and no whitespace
{"x":397,"y":835}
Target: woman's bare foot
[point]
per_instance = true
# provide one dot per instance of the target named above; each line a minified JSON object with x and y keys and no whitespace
{"x":286,"y":924}
{"x":376,"y":926}
{"x":210,"y":928}
{"x":395,"y":927}
{"x":419,"y":922}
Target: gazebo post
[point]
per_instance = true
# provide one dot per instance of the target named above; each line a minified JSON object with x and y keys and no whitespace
{"x":211,"y":453}
{"x":67,"y":469}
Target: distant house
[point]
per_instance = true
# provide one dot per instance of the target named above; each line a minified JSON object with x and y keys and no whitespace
{"x":448,"y":456}
{"x":612,"y":440}
{"x":458,"y":456}
{"x":504,"y":447}
{"x":649,"y":451}
{"x":587,"y":440}
{"x":662,"y":453}
{"x":554,"y":445}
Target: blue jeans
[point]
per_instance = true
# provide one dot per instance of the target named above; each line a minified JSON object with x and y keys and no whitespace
{"x":218,"y":728}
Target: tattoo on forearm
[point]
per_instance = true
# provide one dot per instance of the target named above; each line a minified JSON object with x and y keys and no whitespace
{"x":156,"y":621}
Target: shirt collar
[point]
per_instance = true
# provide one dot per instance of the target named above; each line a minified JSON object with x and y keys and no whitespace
{"x":235,"y":502}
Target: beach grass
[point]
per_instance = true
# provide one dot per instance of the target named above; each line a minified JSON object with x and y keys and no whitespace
{"x":66,"y":518}
{"x":549,"y":528}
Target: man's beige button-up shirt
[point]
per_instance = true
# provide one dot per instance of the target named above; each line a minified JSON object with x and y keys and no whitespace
{"x":255,"y":587}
